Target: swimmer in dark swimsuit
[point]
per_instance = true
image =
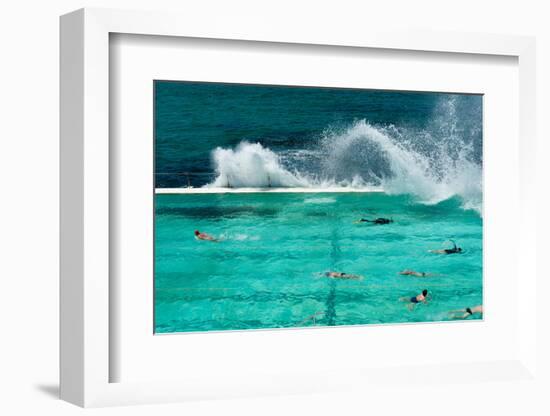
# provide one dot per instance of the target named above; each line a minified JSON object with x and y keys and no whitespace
{"x":342,"y":275}
{"x":465,"y":313}
{"x":412,"y":301}
{"x":453,"y":250}
{"x":408,"y":272}
{"x":376,"y":221}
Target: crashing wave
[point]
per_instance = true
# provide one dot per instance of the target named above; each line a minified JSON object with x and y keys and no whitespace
{"x":432,"y":167}
{"x":251,"y":165}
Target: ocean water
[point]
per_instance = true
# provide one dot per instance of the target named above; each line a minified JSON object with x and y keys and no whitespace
{"x":228,"y":135}
{"x":421,"y":151}
{"x":266,"y":270}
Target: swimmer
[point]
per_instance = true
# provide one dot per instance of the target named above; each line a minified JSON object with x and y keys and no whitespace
{"x":464,"y":313}
{"x":412,"y":301}
{"x":312,"y":318}
{"x":342,"y":275}
{"x":204,"y":236}
{"x":453,"y":250}
{"x":408,"y":272}
{"x":376,"y":221}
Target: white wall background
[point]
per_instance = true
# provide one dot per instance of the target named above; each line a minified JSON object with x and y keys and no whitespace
{"x":29,"y":207}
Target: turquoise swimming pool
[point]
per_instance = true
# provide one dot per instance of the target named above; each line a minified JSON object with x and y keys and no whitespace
{"x":267,"y":269}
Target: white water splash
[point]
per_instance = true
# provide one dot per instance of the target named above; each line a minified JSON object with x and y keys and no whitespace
{"x":431,"y":178}
{"x":253,"y":166}
{"x":361,"y":156}
{"x":238,"y":237}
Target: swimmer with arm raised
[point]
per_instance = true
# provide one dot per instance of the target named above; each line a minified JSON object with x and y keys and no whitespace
{"x":453,"y":250}
{"x":414,"y":300}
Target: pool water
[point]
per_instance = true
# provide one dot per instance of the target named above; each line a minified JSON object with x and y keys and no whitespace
{"x":267,"y":269}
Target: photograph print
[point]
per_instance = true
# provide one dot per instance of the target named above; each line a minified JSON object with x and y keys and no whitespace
{"x":301,"y":207}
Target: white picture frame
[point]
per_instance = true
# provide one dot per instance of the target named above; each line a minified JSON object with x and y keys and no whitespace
{"x":85,"y":211}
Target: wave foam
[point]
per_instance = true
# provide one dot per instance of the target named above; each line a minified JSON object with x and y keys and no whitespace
{"x":392,"y":162}
{"x":361,"y":156}
{"x":251,"y":165}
